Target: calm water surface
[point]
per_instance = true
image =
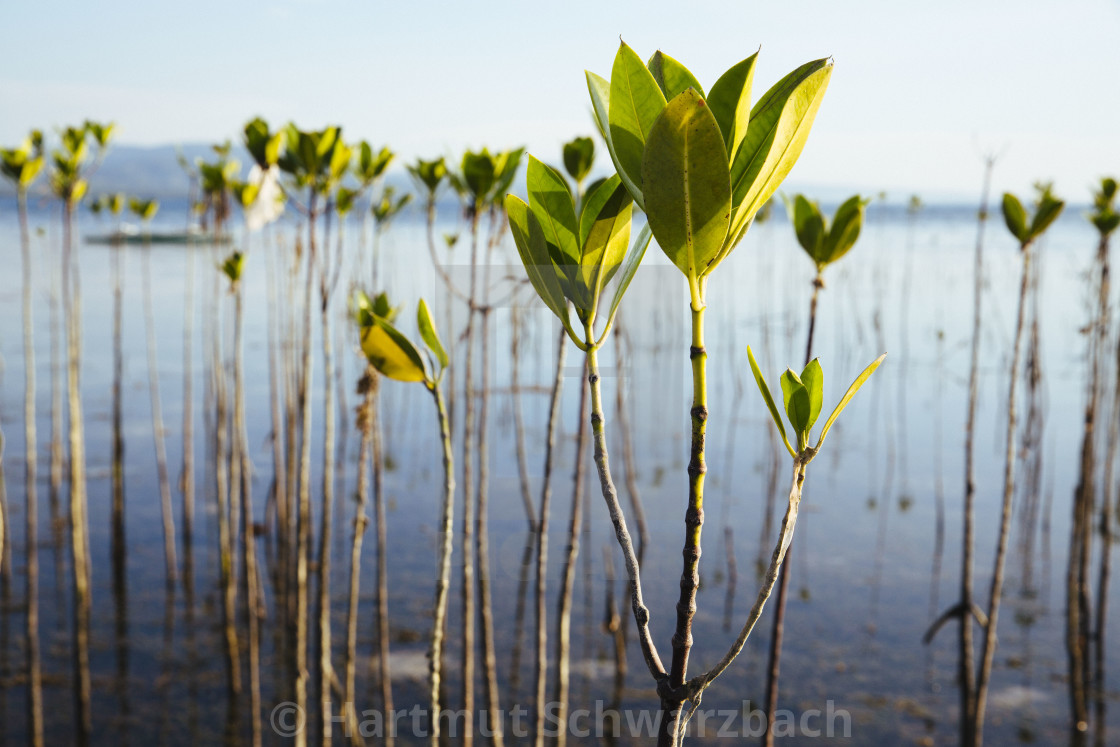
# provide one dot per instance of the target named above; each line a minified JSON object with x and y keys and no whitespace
{"x":870,"y":569}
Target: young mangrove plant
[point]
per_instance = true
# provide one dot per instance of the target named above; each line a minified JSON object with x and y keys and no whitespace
{"x":21,"y":166}
{"x":395,"y":357}
{"x":69,"y":178}
{"x":825,"y":242}
{"x":570,"y":260}
{"x":1026,"y":231}
{"x":701,"y":166}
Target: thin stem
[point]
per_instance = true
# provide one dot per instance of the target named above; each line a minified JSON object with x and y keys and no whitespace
{"x":989,"y":648}
{"x":618,"y":519}
{"x":694,"y":522}
{"x":443,"y":583}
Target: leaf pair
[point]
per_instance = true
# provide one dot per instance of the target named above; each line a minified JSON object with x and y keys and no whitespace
{"x":569,"y":258}
{"x":430,"y":174}
{"x":824,"y":242}
{"x":387,"y":208}
{"x":486,"y":176}
{"x":233,"y":266}
{"x":701,"y":168}
{"x":264,"y":146}
{"x":1015,"y":216}
{"x":145,"y":210}
{"x":391,"y":353}
{"x":802,"y":397}
{"x":315,"y":158}
{"x":370,"y":166}
{"x":579,"y":155}
{"x":22,"y":164}
{"x":1104,"y":215}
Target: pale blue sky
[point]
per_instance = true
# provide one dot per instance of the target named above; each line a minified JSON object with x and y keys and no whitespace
{"x":920,"y":89}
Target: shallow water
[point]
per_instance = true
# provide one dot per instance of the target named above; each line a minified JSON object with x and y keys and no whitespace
{"x":866,"y":582}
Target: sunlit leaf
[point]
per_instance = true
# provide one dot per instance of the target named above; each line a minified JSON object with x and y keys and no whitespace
{"x":429,"y":335}
{"x":533,"y":250}
{"x":671,"y":76}
{"x":730,"y":101}
{"x":629,"y":268}
{"x":604,"y":235}
{"x":635,"y":102}
{"x":796,"y":398}
{"x":769,"y":400}
{"x":864,"y":376}
{"x":687,"y":187}
{"x":551,"y":203}
{"x":1015,"y":217}
{"x":813,"y":379}
{"x":390,"y":352}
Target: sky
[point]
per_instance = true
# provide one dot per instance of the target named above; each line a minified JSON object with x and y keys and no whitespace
{"x":921,"y":91}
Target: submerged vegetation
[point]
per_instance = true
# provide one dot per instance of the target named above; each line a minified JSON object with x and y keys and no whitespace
{"x":288,"y":495}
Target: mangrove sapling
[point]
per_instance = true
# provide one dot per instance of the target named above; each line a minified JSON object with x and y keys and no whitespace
{"x":22,"y":165}
{"x":701,"y":167}
{"x":146,"y":210}
{"x":1026,"y":233}
{"x":69,"y":182}
{"x":1105,"y":219}
{"x":394,"y":356}
{"x":483,"y":177}
{"x":825,"y":242}
{"x":570,"y":260}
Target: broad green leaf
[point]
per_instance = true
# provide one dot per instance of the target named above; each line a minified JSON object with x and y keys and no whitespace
{"x":808,"y":224}
{"x":845,"y":229}
{"x":1015,"y":217}
{"x":533,"y":250}
{"x":796,"y":398}
{"x":776,"y":134}
{"x":551,"y":202}
{"x":730,"y":100}
{"x":233,"y":266}
{"x":765,"y":390}
{"x":864,"y":376}
{"x":507,"y":163}
{"x":635,"y":102}
{"x":579,"y":154}
{"x":687,"y":187}
{"x":1047,"y":212}
{"x":627,"y":271}
{"x":600,"y":90}
{"x":813,"y":379}
{"x":604,"y":237}
{"x":429,"y":335}
{"x":391,"y":353}
{"x":672,"y":77}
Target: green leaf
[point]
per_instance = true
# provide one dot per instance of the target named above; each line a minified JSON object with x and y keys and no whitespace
{"x":765,"y":390}
{"x":600,"y":90}
{"x":533,"y":250}
{"x":479,"y":173}
{"x":628,"y":269}
{"x":864,"y":376}
{"x":579,"y":154}
{"x":1048,"y":211}
{"x":1015,"y":217}
{"x":776,"y":134}
{"x":429,"y":335}
{"x":551,"y":203}
{"x":808,"y":224}
{"x":730,"y":100}
{"x":813,"y":379}
{"x":604,"y":234}
{"x":233,"y":266}
{"x":687,"y":187}
{"x":635,"y":102}
{"x":796,"y":398}
{"x":391,"y":353}
{"x":672,"y":77}
{"x":845,"y":229}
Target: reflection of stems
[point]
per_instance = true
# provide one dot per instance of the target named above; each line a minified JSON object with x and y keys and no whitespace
{"x":31,"y":446}
{"x":988,"y":651}
{"x":326,"y":668}
{"x":157,"y":424}
{"x":119,"y":543}
{"x":435,"y":654}
{"x":381,"y":528}
{"x":469,"y":499}
{"x":542,"y":542}
{"x":186,"y":483}
{"x":563,"y":632}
